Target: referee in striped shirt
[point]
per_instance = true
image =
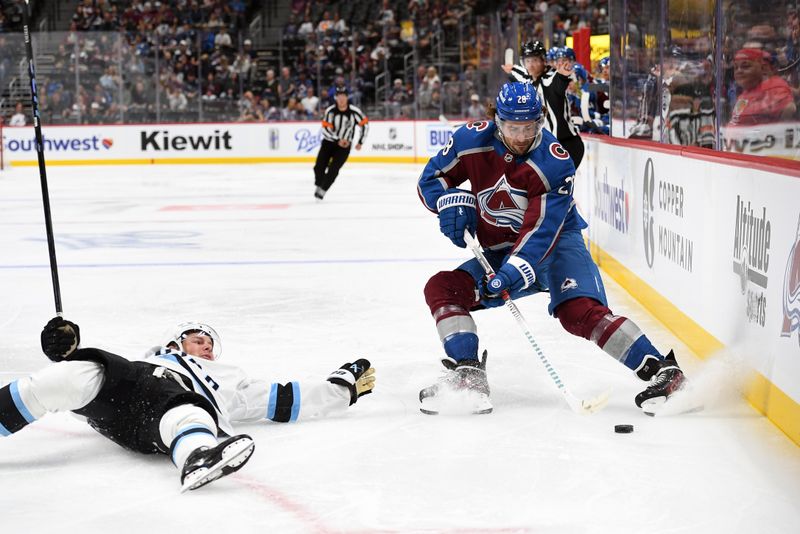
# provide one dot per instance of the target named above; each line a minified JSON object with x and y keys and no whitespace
{"x":551,"y":85}
{"x":338,"y":129}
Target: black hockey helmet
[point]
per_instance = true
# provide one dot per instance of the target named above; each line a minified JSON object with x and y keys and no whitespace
{"x":532,"y":48}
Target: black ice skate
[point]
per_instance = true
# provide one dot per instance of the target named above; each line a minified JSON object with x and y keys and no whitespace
{"x":319,"y":193}
{"x":463,"y":389}
{"x":665,"y":379}
{"x":206,"y":465}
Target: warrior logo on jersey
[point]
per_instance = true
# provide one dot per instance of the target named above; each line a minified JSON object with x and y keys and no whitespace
{"x":558,"y":151}
{"x":502,"y":205}
{"x":791,"y":290}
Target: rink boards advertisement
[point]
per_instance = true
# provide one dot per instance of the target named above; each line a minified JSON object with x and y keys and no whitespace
{"x":386,"y":142}
{"x":712,"y":248}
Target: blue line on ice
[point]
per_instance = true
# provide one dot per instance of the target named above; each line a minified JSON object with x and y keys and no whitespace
{"x":228,"y":263}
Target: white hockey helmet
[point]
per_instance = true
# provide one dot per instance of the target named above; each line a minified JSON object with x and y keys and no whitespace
{"x":182,"y":330}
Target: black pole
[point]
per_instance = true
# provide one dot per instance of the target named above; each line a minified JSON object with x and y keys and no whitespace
{"x":37,"y":126}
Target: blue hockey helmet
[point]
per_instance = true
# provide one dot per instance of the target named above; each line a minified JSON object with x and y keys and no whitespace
{"x":552,"y":53}
{"x":565,"y":52}
{"x":604,"y":62}
{"x":518,"y":101}
{"x":580,"y":72}
{"x":519,"y":116}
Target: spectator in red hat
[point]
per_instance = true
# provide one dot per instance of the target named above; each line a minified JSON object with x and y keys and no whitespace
{"x":765,"y":97}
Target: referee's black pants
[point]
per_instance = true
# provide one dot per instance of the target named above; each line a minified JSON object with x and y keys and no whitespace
{"x":574,"y":146}
{"x":330,"y":159}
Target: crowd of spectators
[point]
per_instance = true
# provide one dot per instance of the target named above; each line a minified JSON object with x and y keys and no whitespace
{"x":686,"y":98}
{"x":329,"y":41}
{"x":159,"y":60}
{"x":134,"y":57}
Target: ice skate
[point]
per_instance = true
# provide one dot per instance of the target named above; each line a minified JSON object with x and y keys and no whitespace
{"x":319,"y":194}
{"x":206,"y":465}
{"x":665,"y":377}
{"x":463,"y":389}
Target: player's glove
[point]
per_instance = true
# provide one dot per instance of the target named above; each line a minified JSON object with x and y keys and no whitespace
{"x":457,"y":213}
{"x":60,"y":338}
{"x":358,"y":377}
{"x":515,"y":276}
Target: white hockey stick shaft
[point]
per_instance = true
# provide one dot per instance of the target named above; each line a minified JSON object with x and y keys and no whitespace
{"x":577,"y":405}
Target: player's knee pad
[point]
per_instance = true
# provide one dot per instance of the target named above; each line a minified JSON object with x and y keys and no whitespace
{"x":62,"y":387}
{"x":580,"y":316}
{"x":450,"y":288}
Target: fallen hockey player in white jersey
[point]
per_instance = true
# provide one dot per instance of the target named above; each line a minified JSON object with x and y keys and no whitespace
{"x":176,"y":401}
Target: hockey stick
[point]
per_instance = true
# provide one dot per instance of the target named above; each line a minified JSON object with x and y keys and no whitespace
{"x":577,"y":405}
{"x":37,"y":127}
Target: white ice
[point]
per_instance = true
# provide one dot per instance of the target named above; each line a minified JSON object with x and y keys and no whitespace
{"x":296,"y":288}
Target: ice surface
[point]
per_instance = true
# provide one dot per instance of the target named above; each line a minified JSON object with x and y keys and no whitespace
{"x":296,"y":288}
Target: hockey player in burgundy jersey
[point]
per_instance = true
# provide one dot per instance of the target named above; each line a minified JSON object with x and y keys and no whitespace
{"x":520,"y":204}
{"x":176,"y":401}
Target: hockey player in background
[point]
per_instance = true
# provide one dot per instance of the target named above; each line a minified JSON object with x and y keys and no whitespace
{"x":176,"y":401}
{"x":551,"y":83}
{"x":521,"y":206}
{"x":338,"y":131}
{"x":586,"y":105}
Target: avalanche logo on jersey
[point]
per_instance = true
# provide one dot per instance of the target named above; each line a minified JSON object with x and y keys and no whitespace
{"x":502,"y":205}
{"x":558,"y":151}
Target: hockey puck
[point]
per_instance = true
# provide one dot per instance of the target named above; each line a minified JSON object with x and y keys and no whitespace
{"x":623,"y":429}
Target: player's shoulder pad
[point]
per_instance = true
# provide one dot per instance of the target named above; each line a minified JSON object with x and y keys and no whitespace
{"x":474,"y":134}
{"x":553,"y":159}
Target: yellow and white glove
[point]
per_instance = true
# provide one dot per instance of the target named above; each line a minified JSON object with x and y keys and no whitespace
{"x":358,"y":377}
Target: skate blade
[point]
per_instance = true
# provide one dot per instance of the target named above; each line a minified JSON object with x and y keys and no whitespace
{"x":456,"y":403}
{"x":234,"y":455}
{"x":428,"y":411}
{"x":661,"y":406}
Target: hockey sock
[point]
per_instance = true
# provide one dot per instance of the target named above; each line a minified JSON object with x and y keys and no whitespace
{"x":187,"y":428}
{"x":461,"y":346}
{"x":621,"y":338}
{"x":638,"y":351}
{"x":190,"y":439}
{"x":14,"y":414}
